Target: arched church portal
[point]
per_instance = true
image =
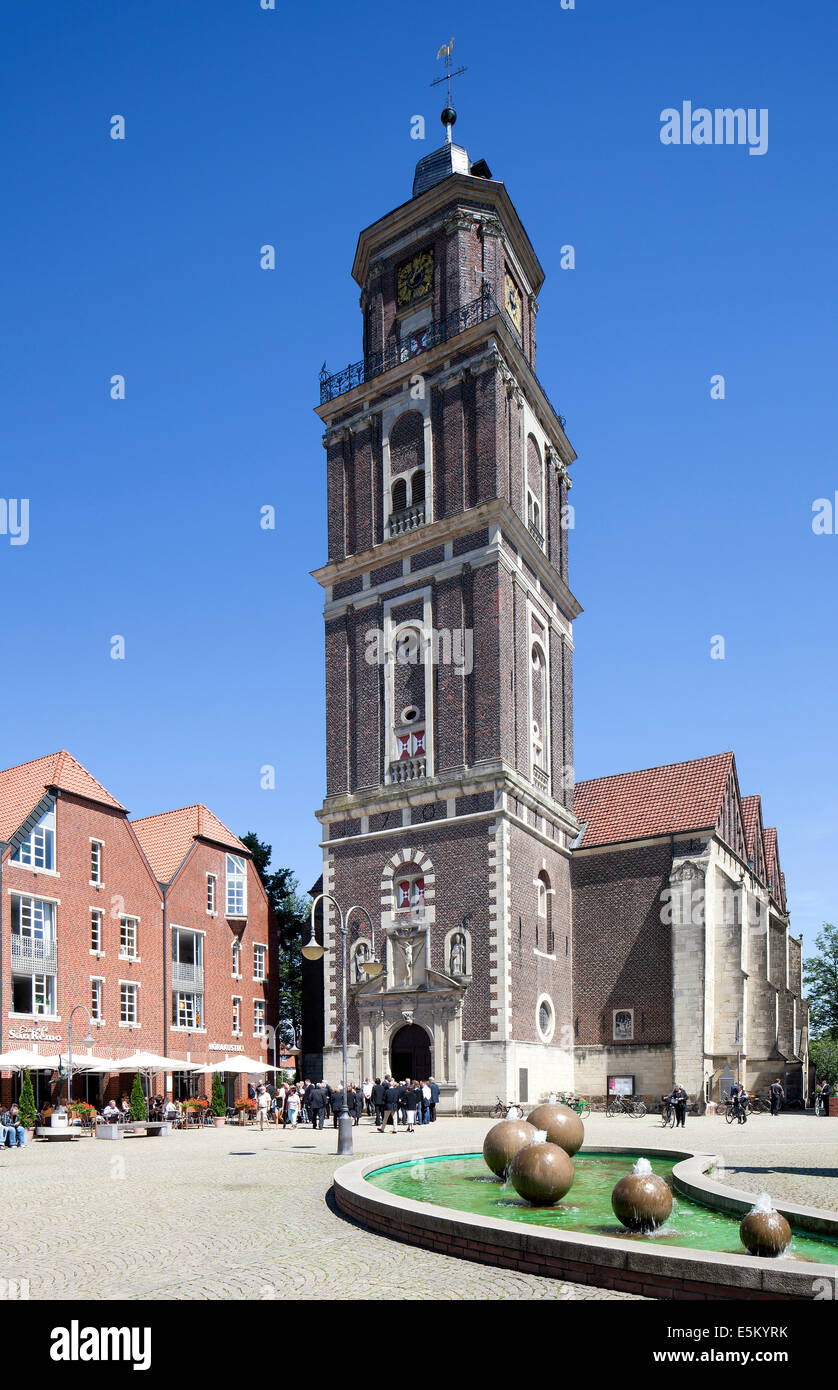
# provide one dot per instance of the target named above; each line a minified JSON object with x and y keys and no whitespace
{"x":410,"y":1053}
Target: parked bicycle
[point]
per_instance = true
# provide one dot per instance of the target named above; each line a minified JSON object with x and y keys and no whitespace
{"x":507,"y":1110}
{"x":577,"y":1103}
{"x":625,"y":1105}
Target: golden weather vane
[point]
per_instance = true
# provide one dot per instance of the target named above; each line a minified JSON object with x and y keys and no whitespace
{"x":449,"y":115}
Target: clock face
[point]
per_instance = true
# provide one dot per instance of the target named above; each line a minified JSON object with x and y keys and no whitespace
{"x":512,"y":297}
{"x":414,"y":278}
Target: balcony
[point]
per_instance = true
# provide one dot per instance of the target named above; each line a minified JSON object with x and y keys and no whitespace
{"x":407,"y":520}
{"x":407,"y":770}
{"x":33,"y":957}
{"x":187,"y":976}
{"x":536,"y":535}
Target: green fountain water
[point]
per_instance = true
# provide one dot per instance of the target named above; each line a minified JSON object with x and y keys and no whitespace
{"x":462,"y":1182}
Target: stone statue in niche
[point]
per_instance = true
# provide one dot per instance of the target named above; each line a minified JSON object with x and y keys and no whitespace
{"x":362,"y":954}
{"x":408,"y":971}
{"x":458,"y":954}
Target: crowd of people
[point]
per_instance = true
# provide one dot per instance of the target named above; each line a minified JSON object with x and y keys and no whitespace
{"x":384,"y":1101}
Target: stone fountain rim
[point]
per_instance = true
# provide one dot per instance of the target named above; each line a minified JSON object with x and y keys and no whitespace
{"x":747,"y":1274}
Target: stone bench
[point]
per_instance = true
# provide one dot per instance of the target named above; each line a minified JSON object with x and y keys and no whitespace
{"x":61,"y":1132}
{"x":154,"y":1129}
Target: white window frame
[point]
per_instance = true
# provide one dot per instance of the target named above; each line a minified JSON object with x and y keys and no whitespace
{"x":129,"y":989}
{"x":258,"y":1006}
{"x":193,"y":1002}
{"x":260,"y":979}
{"x":233,"y":876}
{"x":97,"y":914}
{"x":99,"y":862}
{"x":212,"y":895}
{"x":124,"y":920}
{"x":94,"y":1003}
{"x":237,"y":1015}
{"x":28,"y":931}
{"x":26,"y":854}
{"x":236,"y":972}
{"x":545,"y":1035}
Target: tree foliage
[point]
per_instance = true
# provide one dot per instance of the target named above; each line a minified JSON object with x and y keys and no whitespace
{"x":291,"y":910}
{"x":820,"y":976}
{"x":824,"y":1054}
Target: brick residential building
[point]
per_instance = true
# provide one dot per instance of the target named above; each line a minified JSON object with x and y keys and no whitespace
{"x":529,"y":938}
{"x":98,"y":911}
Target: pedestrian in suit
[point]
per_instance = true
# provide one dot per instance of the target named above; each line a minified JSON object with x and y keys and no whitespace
{"x":339,"y":1104}
{"x":316,"y":1105}
{"x":379,"y":1095}
{"x":357,"y":1103}
{"x":434,"y":1098}
{"x":391,"y":1108}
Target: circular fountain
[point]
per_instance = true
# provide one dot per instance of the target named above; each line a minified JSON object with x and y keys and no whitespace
{"x":503,"y":1142}
{"x":641,"y":1200}
{"x":562,"y":1125}
{"x":541,"y":1173}
{"x":764,"y":1231}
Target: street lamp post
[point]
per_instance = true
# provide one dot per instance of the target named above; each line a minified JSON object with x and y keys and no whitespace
{"x":88,"y":1042}
{"x":314,"y":951}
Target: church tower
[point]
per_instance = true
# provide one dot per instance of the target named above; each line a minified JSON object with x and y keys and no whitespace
{"x":448,"y":812}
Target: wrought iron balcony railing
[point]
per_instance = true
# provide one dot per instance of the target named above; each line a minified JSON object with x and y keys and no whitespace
{"x":33,"y":957}
{"x":407,"y":770}
{"x":333,"y":384}
{"x":407,"y":520}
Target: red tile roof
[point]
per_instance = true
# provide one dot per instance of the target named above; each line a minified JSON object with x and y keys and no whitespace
{"x":168,"y":837}
{"x":664,"y":800}
{"x":22,"y":787}
{"x":750,"y":819}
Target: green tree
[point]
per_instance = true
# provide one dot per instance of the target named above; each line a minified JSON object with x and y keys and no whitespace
{"x":218,"y":1104}
{"x":820,"y":976}
{"x":291,"y":910}
{"x":139,"y":1110}
{"x":824,"y":1055}
{"x":26,"y":1103}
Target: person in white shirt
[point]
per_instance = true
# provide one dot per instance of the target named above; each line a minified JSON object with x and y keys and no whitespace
{"x":110,"y":1113}
{"x":263,"y":1104}
{"x":368,"y":1095}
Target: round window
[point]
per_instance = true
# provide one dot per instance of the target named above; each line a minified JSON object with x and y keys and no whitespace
{"x":410,"y":715}
{"x":545,"y":1018}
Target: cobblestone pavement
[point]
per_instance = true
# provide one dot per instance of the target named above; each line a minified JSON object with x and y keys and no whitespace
{"x":235,"y":1214}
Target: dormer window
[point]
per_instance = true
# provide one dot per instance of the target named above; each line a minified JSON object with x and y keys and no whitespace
{"x":38,"y":850}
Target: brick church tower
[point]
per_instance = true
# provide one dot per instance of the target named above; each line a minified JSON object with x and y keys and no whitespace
{"x":448,"y":813}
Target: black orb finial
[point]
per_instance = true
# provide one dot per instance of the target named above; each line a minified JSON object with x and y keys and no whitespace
{"x":448,"y":116}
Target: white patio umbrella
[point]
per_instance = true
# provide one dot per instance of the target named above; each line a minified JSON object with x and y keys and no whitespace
{"x":21,"y":1057}
{"x":237,"y":1065}
{"x":152,"y":1061}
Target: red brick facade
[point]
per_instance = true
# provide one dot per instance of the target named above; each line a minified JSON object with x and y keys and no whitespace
{"x":68,"y":940}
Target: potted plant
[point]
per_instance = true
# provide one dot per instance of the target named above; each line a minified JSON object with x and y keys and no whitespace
{"x":82,"y":1111}
{"x":26,"y":1106}
{"x":218,"y":1105}
{"x":246,"y":1107}
{"x":196,"y":1106}
{"x":139,"y":1109}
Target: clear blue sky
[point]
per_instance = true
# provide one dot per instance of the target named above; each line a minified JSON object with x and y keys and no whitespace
{"x":292,"y":127}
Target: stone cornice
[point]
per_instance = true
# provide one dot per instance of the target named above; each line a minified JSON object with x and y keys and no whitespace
{"x":470,"y":196}
{"x":497,"y":511}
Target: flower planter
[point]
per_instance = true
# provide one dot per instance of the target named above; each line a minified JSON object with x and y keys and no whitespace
{"x":219,"y":1121}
